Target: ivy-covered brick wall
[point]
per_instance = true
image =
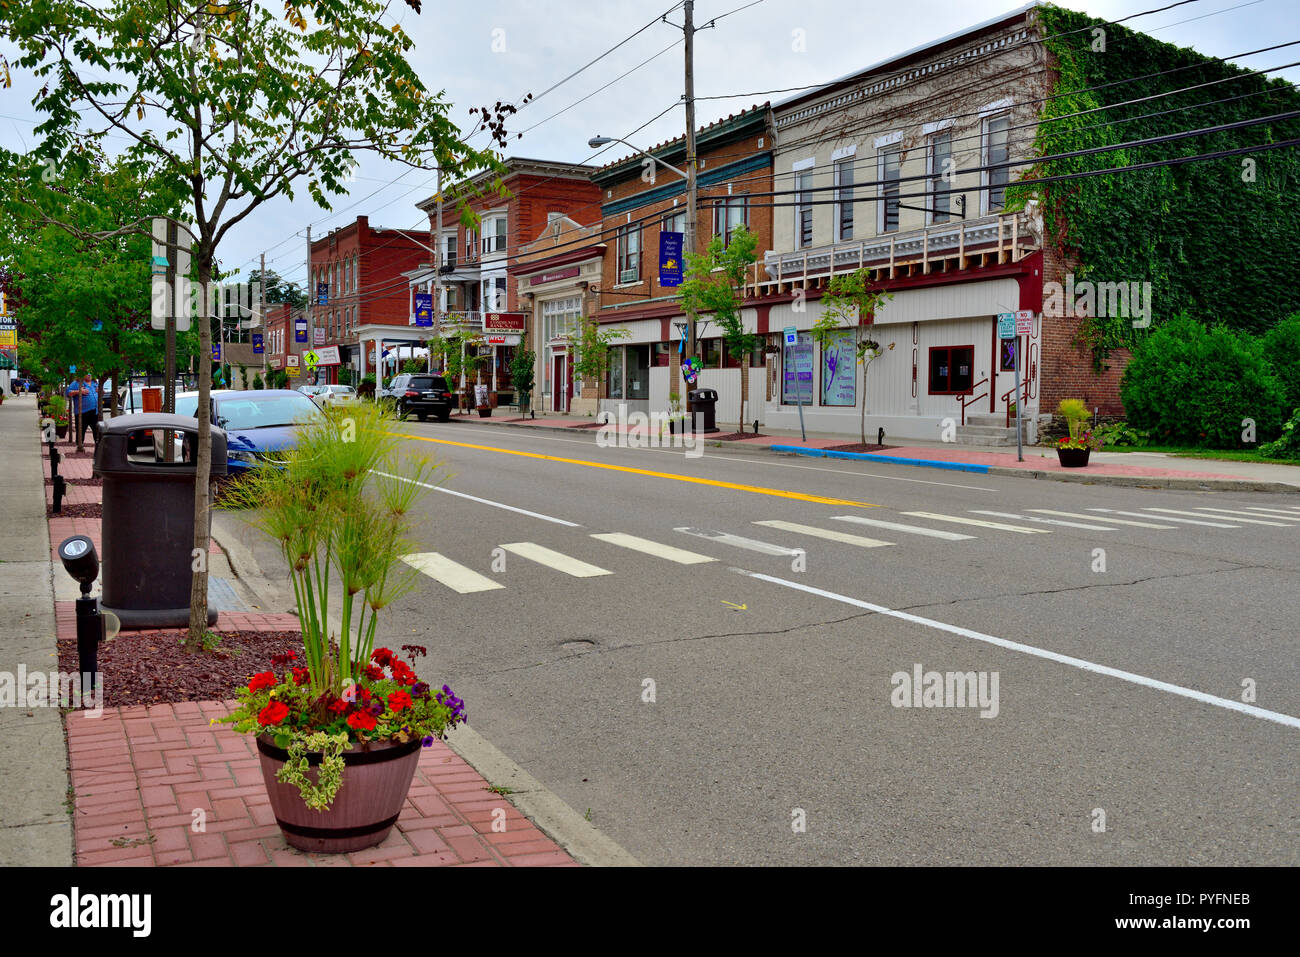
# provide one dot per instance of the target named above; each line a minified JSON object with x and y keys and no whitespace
{"x":1216,"y":239}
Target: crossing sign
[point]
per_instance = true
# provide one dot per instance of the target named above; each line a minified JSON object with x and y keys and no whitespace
{"x":310,"y":358}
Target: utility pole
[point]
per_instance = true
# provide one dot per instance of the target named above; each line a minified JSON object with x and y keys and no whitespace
{"x":261,"y":313}
{"x":437,"y":268}
{"x":692,"y":212}
{"x":311,"y":299}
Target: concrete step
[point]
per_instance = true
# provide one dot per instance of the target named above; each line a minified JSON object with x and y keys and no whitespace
{"x":986,"y":430}
{"x":986,"y":418}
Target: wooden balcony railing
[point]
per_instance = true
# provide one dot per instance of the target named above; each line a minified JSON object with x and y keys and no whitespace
{"x":1001,"y":238}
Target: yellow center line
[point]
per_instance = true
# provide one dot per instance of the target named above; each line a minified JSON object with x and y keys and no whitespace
{"x":754,"y":489}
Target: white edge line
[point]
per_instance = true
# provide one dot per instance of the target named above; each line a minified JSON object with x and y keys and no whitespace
{"x":1226,"y":703}
{"x":482,"y":501}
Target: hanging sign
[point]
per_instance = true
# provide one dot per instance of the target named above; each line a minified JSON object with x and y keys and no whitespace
{"x":670,"y":259}
{"x":424,"y":309}
{"x":300,"y":330}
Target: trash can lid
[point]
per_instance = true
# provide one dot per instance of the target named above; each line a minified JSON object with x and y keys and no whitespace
{"x":113,"y":454}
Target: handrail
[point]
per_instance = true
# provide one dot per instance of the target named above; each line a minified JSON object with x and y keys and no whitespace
{"x":1022,"y":399}
{"x":968,"y":398}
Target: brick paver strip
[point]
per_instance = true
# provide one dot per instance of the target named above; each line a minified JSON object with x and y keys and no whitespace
{"x":125,"y":816}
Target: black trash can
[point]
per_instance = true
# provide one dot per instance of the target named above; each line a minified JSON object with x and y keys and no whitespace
{"x":702,"y":405}
{"x":148,"y":525}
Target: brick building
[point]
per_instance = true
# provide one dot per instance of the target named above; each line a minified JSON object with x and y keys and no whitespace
{"x":362,"y":269}
{"x":478,"y":262}
{"x":640,"y":200}
{"x":278,"y":340}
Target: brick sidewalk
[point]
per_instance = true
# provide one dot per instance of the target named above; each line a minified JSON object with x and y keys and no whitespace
{"x":139,"y":775}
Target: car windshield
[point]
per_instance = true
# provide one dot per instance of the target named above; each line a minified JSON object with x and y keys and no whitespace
{"x":427,"y":382}
{"x":263,"y":412}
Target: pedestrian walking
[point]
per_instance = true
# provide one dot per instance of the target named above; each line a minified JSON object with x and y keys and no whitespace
{"x":83,"y":404}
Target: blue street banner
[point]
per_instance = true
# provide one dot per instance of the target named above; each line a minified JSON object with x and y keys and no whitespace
{"x":257,"y":344}
{"x":670,"y":259}
{"x":424,"y":309}
{"x":216,"y":352}
{"x":300,"y":330}
{"x":322,"y":293}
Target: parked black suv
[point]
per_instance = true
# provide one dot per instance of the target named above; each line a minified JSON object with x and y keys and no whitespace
{"x":422,"y":394}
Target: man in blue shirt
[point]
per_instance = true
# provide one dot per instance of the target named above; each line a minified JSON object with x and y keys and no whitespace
{"x":83,"y":406}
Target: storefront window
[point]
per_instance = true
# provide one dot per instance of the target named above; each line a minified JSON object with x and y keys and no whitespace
{"x":638,"y":372}
{"x":839,"y":370}
{"x":950,"y":369}
{"x":614,"y":381}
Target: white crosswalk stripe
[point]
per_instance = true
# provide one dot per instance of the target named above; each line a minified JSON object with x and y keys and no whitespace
{"x":1281,"y":511}
{"x":906,"y":529}
{"x":553,"y":559}
{"x":829,"y":534}
{"x":1243,"y":521}
{"x":1042,"y":521}
{"x":1108,"y":518}
{"x":963,"y":520}
{"x":679,"y":555}
{"x":1235,"y":511}
{"x":737,"y":541}
{"x":452,"y":574}
{"x":1181,"y":521}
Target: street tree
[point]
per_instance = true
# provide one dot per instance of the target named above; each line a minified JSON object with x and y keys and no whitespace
{"x":275,"y":289}
{"x":81,"y":301}
{"x":592,"y":348}
{"x":714,"y":285}
{"x":236,"y":105}
{"x":851,"y":300}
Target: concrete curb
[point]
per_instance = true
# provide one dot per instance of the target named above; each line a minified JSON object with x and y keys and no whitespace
{"x":578,"y":836}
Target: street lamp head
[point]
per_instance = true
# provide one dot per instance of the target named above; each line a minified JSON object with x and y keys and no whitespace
{"x":599,"y":141}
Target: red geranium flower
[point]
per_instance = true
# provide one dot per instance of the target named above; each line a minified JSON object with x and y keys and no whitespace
{"x":262,"y":680}
{"x":361,"y":721}
{"x":399,"y":700}
{"x":339,"y":706}
{"x":301,"y":676}
{"x":273,"y":713}
{"x":402,"y":674}
{"x":374,"y":672}
{"x":381,"y":657}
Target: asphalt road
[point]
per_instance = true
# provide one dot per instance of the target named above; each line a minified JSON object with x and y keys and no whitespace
{"x":777,"y":695}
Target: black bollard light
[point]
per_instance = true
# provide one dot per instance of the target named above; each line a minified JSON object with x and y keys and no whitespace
{"x":756,"y":426}
{"x":80,"y":561}
{"x":880,"y":436}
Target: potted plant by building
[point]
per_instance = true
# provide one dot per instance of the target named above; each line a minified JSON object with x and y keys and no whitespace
{"x":1073,"y":450}
{"x":339,"y":733}
{"x":676,"y":417}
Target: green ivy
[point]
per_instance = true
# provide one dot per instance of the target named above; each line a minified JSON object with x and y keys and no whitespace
{"x":1211,"y":244}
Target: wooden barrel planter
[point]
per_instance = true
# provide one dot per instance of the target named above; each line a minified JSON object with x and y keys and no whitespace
{"x":375,"y":784}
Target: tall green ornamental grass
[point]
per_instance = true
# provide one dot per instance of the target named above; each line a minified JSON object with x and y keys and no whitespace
{"x":339,"y":510}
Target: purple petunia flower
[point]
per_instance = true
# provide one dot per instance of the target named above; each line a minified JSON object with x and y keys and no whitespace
{"x":420,"y":690}
{"x":428,"y":741}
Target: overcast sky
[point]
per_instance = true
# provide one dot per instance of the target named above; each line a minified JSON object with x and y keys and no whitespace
{"x":537,"y":44}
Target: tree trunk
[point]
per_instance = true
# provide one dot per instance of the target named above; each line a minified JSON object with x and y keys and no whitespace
{"x":203,"y":463}
{"x":864,"y":403}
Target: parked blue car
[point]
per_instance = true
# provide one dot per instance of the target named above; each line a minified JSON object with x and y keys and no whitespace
{"x":260,"y":424}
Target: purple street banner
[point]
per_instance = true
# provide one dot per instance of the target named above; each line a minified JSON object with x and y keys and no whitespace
{"x":322,"y":293}
{"x":670,"y":259}
{"x":424,"y":309}
{"x":257,"y":344}
{"x":300,"y":330}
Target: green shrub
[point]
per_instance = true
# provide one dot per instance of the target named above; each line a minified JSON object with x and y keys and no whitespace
{"x":1189,"y":385}
{"x":1121,"y":433}
{"x":257,"y":381}
{"x":1287,"y":445}
{"x":1282,"y":349}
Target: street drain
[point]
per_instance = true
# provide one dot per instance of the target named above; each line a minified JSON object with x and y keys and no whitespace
{"x":578,"y":644}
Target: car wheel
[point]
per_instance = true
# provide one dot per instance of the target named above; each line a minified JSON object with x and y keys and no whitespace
{"x":422,"y":416}
{"x":444,"y":416}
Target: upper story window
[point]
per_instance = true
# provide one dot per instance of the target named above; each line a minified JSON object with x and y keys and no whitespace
{"x":449,"y":251}
{"x":494,"y":235}
{"x":844,"y":199}
{"x":889,"y":164}
{"x":471,"y":244}
{"x":629,"y":253}
{"x":997,"y":143}
{"x":943,"y":178}
{"x":728,"y":215}
{"x":674,"y":222}
{"x":803,"y":210}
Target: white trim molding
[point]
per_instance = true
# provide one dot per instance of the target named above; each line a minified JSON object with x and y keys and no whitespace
{"x":889,"y":139}
{"x":936,"y":127}
{"x":803,"y":164}
{"x":843,"y":151}
{"x":997,"y":106}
